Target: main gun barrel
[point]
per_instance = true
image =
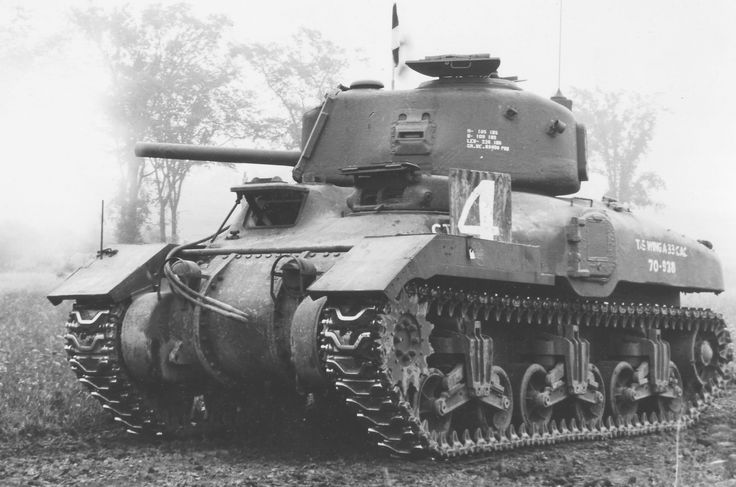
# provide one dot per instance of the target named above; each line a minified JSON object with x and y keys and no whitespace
{"x":216,"y":154}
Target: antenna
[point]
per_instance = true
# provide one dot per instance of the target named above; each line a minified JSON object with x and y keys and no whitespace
{"x":559,"y":97}
{"x":559,"y":51}
{"x":102,"y":229}
{"x":104,"y":251}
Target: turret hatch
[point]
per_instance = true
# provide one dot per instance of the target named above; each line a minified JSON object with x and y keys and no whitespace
{"x":454,"y":66}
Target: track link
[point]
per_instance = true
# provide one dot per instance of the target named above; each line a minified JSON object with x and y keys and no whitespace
{"x":355,"y":359}
{"x":93,"y":351}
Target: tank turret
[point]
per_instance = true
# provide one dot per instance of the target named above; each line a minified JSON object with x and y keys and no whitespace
{"x":467,"y":117}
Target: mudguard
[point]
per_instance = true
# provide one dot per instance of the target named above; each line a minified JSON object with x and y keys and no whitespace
{"x":385,"y":264}
{"x":114,"y":278}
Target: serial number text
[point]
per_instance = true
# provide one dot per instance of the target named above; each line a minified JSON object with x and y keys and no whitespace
{"x":666,"y":266}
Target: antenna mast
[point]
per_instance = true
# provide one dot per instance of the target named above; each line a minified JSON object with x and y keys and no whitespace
{"x":559,"y":97}
{"x":102,"y":229}
{"x":559,"y":51}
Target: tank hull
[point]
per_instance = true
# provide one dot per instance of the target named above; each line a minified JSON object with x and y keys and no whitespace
{"x":452,"y":309}
{"x":377,"y":254}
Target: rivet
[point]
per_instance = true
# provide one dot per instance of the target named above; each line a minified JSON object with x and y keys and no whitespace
{"x":247,"y":256}
{"x":258,"y":256}
{"x":237,"y":256}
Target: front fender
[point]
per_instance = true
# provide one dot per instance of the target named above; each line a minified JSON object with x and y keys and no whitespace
{"x":115,"y":278}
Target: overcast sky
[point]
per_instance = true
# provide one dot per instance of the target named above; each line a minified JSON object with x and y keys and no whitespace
{"x":58,"y":160}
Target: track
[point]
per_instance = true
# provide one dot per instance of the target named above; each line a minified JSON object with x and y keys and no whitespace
{"x":94,"y":353}
{"x":358,"y":340}
{"x":93,"y":350}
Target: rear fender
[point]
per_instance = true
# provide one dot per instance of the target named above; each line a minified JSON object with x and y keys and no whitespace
{"x":114,"y":279}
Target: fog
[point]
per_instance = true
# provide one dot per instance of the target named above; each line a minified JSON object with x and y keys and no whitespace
{"x":58,"y":151}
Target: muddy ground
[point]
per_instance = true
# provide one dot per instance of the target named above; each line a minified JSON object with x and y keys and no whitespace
{"x":299,"y":456}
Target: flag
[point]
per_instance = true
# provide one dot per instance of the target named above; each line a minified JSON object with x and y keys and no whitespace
{"x":395,"y":41}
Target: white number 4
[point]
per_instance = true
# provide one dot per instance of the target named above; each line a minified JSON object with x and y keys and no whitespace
{"x":484,"y":193}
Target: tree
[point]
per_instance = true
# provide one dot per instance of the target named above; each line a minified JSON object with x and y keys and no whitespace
{"x":620,"y":127}
{"x":173,"y":79}
{"x":23,"y":43}
{"x":298,"y":74}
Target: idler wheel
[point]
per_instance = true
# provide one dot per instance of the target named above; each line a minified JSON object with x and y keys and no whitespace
{"x":428,"y":405}
{"x":587,"y":413}
{"x":671,"y":402}
{"x":707,"y":359}
{"x":619,"y":379}
{"x":701,"y":356}
{"x":531,"y":399}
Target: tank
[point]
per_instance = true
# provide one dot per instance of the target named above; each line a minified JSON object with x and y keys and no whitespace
{"x":426,"y":273}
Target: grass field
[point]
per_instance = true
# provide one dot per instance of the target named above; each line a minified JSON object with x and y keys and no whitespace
{"x":38,"y":392}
